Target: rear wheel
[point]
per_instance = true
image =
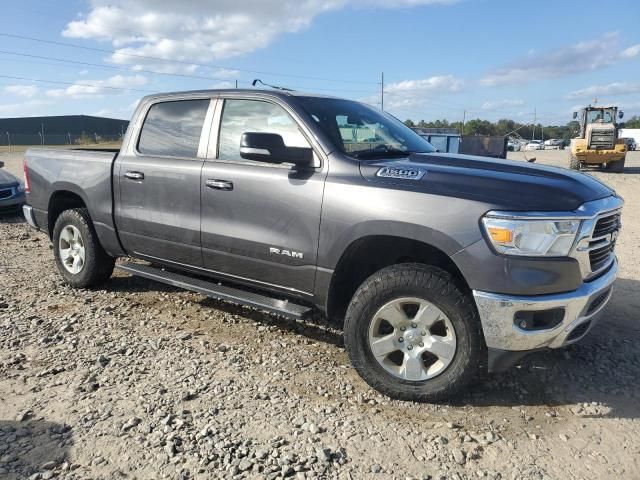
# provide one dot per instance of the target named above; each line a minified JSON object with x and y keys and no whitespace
{"x":80,"y":258}
{"x":617,"y":166}
{"x":412,"y":334}
{"x":574,"y":162}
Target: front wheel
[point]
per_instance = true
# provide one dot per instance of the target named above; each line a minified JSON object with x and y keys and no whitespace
{"x":412,"y":334}
{"x":574,"y":162}
{"x":80,"y":258}
{"x":617,"y":166}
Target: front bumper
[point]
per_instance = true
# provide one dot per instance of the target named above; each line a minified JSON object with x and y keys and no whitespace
{"x":13,"y":203}
{"x":582,"y":309}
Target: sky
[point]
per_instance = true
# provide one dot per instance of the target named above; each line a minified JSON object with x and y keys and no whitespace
{"x":440,"y":58}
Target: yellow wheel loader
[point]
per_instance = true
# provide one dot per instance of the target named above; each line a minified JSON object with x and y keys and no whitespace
{"x":598,"y":143}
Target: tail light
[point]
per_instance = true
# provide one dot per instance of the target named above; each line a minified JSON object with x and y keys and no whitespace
{"x":27,"y":184}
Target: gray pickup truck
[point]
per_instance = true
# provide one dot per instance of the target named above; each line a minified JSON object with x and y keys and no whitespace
{"x":437,"y":265}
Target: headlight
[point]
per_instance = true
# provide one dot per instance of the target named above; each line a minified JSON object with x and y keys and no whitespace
{"x":531,"y":237}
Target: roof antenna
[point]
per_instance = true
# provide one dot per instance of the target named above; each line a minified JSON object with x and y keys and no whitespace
{"x":285,"y":89}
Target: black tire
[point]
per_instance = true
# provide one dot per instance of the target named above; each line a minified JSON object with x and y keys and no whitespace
{"x":438,"y":287}
{"x":617,"y":166}
{"x":574,"y":162}
{"x":98,"y":265}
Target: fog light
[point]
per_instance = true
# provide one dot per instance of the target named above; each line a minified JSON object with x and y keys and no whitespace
{"x":532,"y":320}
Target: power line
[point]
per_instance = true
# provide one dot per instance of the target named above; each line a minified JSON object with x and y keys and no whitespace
{"x":181,"y":62}
{"x":153,"y":72}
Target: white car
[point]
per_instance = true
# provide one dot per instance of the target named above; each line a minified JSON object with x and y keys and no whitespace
{"x":534,"y":145}
{"x":513,"y":146}
{"x":554,"y":144}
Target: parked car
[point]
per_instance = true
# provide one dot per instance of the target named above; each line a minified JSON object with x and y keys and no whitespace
{"x":534,"y":145}
{"x":631,"y":143}
{"x":12,"y":195}
{"x":435,"y":264}
{"x":554,"y":144}
{"x":513,"y":146}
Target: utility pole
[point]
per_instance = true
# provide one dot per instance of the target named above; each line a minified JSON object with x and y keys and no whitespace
{"x":382,"y":91}
{"x":9,"y":141}
{"x":464,"y":118}
{"x":236,"y":83}
{"x":535,"y":118}
{"x":42,"y":130}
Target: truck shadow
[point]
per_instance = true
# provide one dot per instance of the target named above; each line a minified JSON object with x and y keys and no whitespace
{"x":32,"y":446}
{"x":599,"y":376}
{"x":317,"y":328}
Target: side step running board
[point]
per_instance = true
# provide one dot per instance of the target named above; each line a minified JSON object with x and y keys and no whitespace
{"x":219,"y":292}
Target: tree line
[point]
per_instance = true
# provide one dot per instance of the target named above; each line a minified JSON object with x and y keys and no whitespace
{"x":505,"y":126}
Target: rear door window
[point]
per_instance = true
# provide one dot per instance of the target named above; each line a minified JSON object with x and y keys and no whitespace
{"x":173,"y":129}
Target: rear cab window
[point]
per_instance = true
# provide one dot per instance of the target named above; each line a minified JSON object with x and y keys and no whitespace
{"x":173,"y":129}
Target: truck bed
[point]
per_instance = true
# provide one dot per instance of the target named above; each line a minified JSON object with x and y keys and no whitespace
{"x":83,"y":173}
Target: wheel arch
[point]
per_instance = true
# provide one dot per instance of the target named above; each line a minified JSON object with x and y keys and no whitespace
{"x":368,"y":254}
{"x":62,"y":199}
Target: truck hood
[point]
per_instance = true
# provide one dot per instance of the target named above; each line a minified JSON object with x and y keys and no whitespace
{"x":507,"y":184}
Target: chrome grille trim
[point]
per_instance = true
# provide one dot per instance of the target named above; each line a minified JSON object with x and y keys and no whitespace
{"x":595,"y":243}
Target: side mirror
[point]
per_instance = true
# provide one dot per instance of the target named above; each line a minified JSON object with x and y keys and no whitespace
{"x":620,"y":114}
{"x":270,"y":148}
{"x":575,"y":115}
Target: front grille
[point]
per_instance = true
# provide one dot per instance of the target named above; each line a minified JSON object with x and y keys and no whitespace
{"x":603,"y":139}
{"x":607,"y":225}
{"x":600,"y":257}
{"x":603,"y":241}
{"x":579,"y":331}
{"x":6,"y":193}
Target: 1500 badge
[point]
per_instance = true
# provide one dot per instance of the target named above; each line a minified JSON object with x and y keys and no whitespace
{"x":402,"y":173}
{"x":286,"y":253}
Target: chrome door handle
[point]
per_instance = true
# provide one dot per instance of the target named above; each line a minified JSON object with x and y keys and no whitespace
{"x":134,"y":175}
{"x":219,"y":184}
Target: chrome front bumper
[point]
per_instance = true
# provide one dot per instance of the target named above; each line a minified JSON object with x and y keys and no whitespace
{"x":582,"y":309}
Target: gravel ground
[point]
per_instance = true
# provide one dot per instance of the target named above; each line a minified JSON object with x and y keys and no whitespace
{"x":140,"y":380}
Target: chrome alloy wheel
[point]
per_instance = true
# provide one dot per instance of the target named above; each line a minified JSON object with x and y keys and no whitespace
{"x":412,"y":339}
{"x":71,"y":249}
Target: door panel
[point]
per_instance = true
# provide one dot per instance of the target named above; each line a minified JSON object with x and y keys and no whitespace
{"x":158,"y":196}
{"x":159,"y":216}
{"x":265,"y":228}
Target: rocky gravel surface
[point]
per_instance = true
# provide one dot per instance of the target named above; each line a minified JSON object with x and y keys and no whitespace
{"x":142,"y":381}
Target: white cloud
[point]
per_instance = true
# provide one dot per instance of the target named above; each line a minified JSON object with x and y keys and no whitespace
{"x":615,"y":88}
{"x":21,"y":90}
{"x":83,"y":72}
{"x":495,"y":104}
{"x":631,"y":52}
{"x":204,"y":30}
{"x":567,"y":60}
{"x":93,"y":88}
{"x":409,"y":93}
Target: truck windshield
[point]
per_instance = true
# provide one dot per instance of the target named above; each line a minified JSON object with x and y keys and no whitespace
{"x":361,"y":131}
{"x":601,"y":115}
